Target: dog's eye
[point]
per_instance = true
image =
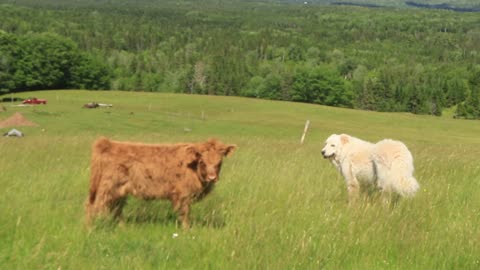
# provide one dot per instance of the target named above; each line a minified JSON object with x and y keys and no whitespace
{"x":332,"y":145}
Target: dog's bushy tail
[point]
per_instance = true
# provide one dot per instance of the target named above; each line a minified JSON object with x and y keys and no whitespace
{"x":394,"y":164}
{"x":407,"y":186}
{"x":400,"y":177}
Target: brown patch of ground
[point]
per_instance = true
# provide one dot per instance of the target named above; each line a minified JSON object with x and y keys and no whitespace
{"x":16,"y":120}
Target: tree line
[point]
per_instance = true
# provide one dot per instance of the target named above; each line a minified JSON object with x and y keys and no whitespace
{"x":48,"y":61}
{"x":418,"y":61}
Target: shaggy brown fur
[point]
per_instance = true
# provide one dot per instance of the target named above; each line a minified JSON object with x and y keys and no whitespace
{"x":181,"y":173}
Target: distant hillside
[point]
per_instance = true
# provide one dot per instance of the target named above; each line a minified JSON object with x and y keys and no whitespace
{"x":441,"y":4}
{"x":458,"y":5}
{"x":399,"y":59}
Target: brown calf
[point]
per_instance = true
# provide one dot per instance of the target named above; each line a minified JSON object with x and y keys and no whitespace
{"x":181,"y":173}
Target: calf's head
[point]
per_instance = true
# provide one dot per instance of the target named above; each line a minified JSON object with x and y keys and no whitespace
{"x":206,"y":158}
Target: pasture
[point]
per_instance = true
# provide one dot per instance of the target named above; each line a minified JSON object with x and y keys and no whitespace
{"x":278,"y":204}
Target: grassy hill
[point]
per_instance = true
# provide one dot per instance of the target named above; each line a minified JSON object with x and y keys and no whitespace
{"x":278,"y":204}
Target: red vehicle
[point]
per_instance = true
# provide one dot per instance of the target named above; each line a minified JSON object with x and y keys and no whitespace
{"x":34,"y":101}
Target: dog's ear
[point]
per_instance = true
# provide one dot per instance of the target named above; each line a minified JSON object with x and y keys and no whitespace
{"x":344,"y":139}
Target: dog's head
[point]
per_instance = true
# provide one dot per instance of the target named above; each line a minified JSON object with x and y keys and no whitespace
{"x":333,"y":145}
{"x":207,"y":158}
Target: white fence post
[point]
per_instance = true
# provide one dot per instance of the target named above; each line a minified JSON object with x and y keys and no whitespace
{"x":305,"y":131}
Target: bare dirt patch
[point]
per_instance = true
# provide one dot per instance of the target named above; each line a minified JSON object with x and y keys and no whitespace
{"x":16,"y":120}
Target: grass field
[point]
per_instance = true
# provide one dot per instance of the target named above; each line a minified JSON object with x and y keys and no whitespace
{"x":278,"y":204}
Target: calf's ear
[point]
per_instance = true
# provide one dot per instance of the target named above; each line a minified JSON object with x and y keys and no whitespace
{"x":193,"y":154}
{"x":229,"y":150}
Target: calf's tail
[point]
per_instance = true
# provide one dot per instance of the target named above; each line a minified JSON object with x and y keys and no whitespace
{"x":100,"y":147}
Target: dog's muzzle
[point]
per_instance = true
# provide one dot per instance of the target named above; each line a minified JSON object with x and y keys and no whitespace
{"x":328,"y":156}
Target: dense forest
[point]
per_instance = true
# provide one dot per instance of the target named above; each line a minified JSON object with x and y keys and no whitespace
{"x":385,"y":59}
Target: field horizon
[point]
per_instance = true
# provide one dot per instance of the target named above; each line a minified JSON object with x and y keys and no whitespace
{"x":278,"y":204}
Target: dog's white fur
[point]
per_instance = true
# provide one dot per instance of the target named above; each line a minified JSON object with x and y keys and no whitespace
{"x":387,"y":164}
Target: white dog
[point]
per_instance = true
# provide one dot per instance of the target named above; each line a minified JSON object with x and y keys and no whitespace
{"x":387,"y":164}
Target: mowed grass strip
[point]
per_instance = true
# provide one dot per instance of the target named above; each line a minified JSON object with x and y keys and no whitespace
{"x":278,"y":204}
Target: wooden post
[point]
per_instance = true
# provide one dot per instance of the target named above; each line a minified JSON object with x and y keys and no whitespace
{"x":305,"y":131}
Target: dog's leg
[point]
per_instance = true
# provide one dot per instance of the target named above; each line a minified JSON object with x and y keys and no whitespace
{"x":390,"y":199}
{"x":385,"y":196}
{"x":353,"y":188}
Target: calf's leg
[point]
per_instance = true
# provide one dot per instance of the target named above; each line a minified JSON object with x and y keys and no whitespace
{"x":182,"y":207}
{"x":117,"y":208}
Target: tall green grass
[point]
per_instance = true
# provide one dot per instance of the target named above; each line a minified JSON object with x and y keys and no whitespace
{"x":278,"y":204}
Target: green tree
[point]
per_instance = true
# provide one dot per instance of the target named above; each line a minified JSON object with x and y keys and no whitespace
{"x":365,"y":92}
{"x":9,"y":50}
{"x":254,"y":87}
{"x":272,"y":87}
{"x":471,"y":107}
{"x":45,"y":61}
{"x":89,"y":72}
{"x":320,"y":85}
